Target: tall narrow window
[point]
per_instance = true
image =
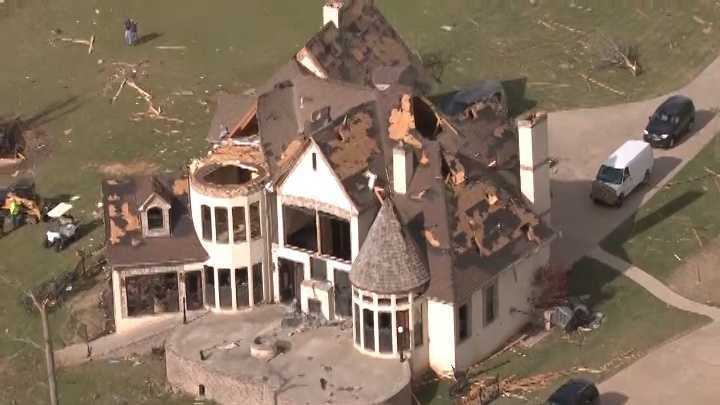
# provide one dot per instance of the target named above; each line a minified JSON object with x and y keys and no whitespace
{"x":242,"y":287}
{"x":385,"y":330}
{"x":206,"y":222}
{"x":155,"y":218}
{"x":225,"y":288}
{"x":255,"y":220}
{"x":418,"y":325}
{"x":463,"y":319}
{"x":209,"y":286}
{"x":490,"y":295}
{"x":257,"y":278}
{"x":369,"y":329}
{"x":239,"y":228}
{"x":221,"y":225}
{"x":314,"y":161}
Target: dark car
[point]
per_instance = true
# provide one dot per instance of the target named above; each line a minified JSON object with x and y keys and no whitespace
{"x":576,"y":391}
{"x":674,"y":118}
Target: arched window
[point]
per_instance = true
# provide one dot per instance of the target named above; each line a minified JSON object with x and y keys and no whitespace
{"x":155,"y":218}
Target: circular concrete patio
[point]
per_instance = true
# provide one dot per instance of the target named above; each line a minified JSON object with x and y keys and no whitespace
{"x":211,"y":358}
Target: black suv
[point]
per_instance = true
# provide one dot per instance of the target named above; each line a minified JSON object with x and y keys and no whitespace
{"x":673,"y":119}
{"x":576,"y":391}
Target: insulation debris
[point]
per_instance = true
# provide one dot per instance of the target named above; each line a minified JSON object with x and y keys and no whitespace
{"x":349,"y":153}
{"x":402,"y":121}
{"x":180,"y":186}
{"x":132,"y":221}
{"x":431,"y":239}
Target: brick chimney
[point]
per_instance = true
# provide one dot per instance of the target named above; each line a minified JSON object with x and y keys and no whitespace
{"x":403,"y":163}
{"x":534,"y":165}
{"x":332,"y":12}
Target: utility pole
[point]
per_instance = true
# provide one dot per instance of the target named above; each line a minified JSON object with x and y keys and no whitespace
{"x":49,"y":356}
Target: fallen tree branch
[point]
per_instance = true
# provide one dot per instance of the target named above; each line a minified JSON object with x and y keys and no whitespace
{"x":90,"y":43}
{"x":601,"y":84}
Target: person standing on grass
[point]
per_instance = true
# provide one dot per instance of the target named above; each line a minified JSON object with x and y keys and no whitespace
{"x":128,"y":31}
{"x":133,"y":32}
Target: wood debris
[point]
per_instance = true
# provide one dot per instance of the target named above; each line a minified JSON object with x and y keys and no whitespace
{"x":419,"y":195}
{"x":132,"y":221}
{"x":431,"y":239}
{"x":424,"y":159}
{"x":601,"y":84}
{"x":90,"y":43}
{"x":116,"y":232}
{"x":180,"y":186}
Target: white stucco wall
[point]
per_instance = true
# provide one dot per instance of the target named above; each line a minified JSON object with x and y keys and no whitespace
{"x":319,"y":184}
{"x":514,"y":290}
{"x":441,"y":336}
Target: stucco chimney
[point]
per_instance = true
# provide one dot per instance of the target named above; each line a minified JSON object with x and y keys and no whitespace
{"x":310,"y":62}
{"x":332,"y":12}
{"x":534,"y":165}
{"x":402,"y":167}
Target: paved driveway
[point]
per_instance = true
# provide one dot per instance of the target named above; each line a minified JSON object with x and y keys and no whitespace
{"x":582,"y":139}
{"x":684,"y":371}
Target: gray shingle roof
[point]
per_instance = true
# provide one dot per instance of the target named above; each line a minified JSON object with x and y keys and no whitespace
{"x":389,"y":261}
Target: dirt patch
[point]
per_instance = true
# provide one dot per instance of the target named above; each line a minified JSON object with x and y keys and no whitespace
{"x":87,"y":314}
{"x":698,"y":278}
{"x":128,"y":169}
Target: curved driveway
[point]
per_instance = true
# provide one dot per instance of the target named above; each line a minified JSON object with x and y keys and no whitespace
{"x":684,"y":371}
{"x":582,"y":139}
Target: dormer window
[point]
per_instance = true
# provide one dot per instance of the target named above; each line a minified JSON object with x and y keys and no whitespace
{"x":155,"y":219}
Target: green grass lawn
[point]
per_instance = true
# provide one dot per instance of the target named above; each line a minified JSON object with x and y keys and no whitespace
{"x":663,"y":227}
{"x":634,"y":320}
{"x":234,"y":45}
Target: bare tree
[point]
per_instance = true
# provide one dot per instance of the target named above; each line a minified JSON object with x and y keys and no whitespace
{"x":613,"y":53}
{"x":41,"y":306}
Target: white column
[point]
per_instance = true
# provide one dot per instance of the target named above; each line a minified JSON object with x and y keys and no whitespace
{"x":117,"y":298}
{"x":233,"y":285}
{"x":377,"y":324}
{"x":251,"y":285}
{"x":276,"y":278}
{"x":280,"y":222}
{"x":394,"y":325}
{"x":216,"y":287}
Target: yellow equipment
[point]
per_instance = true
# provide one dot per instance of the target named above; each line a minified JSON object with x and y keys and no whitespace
{"x":30,"y":207}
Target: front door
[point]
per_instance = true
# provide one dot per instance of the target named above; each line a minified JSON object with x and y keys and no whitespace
{"x":291,"y":275}
{"x":403,"y":338}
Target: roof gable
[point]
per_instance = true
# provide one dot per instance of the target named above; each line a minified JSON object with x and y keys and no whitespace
{"x":312,"y":177}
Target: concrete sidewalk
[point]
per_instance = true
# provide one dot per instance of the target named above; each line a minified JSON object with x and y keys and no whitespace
{"x":654,"y":286}
{"x":140,"y":341}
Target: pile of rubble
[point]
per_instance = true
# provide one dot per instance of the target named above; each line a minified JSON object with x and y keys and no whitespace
{"x":300,"y":322}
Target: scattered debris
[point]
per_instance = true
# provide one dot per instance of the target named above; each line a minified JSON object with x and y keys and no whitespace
{"x":613,"y":53}
{"x":600,"y":84}
{"x":171,"y":47}
{"x":447,"y":28}
{"x":90,"y":43}
{"x":431,"y":239}
{"x":677,"y":257}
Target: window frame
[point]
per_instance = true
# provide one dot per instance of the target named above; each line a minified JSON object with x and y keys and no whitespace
{"x":495,"y":303}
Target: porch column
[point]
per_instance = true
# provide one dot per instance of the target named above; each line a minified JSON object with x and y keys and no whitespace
{"x":217,"y":288}
{"x":233,"y":287}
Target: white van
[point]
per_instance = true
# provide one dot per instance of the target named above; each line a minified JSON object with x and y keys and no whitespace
{"x":628,"y":167}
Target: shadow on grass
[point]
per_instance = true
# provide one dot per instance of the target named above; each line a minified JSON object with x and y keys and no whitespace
{"x":86,"y":228}
{"x":147,"y":38}
{"x":53,"y":111}
{"x":633,"y":226}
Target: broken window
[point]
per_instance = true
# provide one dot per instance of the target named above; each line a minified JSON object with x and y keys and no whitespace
{"x":221,"y":225}
{"x":225,"y":288}
{"x":239,"y":229}
{"x":385,"y":330}
{"x":193,"y":290}
{"x":343,"y":298}
{"x":369,"y":329}
{"x":155,"y":218}
{"x":418,"y":325}
{"x":242,"y":288}
{"x":463,"y":320}
{"x":152,"y":294}
{"x":318,"y":269}
{"x":299,"y":226}
{"x":257,"y":278}
{"x":335,"y":236}
{"x":206,"y":222}
{"x":490,"y":296}
{"x":255,"y":220}
{"x":209,"y":286}
{"x":357,"y":325}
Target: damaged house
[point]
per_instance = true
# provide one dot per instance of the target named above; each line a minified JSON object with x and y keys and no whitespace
{"x":342,"y":190}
